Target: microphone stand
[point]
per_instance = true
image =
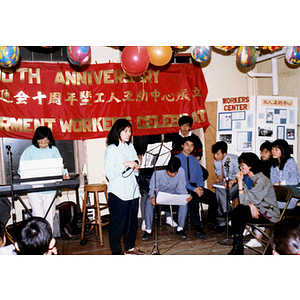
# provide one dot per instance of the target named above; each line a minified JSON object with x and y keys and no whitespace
{"x":226,"y":241}
{"x":155,"y":250}
{"x":13,"y":211}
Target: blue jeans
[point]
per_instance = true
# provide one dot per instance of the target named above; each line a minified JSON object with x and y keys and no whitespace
{"x":123,"y":221}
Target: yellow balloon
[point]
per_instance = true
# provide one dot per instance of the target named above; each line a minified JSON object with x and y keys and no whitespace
{"x":159,"y":55}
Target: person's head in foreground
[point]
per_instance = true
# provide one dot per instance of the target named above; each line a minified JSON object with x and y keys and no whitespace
{"x":285,"y":237}
{"x":34,"y":237}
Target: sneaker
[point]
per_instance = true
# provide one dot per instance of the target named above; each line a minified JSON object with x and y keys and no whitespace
{"x":134,"y":251}
{"x":171,"y":222}
{"x":200,"y":233}
{"x":253,"y":243}
{"x":146,"y":236}
{"x":181,"y":234}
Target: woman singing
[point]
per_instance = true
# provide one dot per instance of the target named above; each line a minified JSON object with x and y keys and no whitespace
{"x":121,"y":168}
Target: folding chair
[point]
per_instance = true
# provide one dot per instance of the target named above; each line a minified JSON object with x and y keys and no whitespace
{"x":283,"y":194}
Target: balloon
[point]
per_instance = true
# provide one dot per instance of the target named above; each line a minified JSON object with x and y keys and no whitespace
{"x":270,"y":48}
{"x":159,"y":55}
{"x":201,"y":53}
{"x":292,"y":55}
{"x":225,"y":48}
{"x":135,"y":60}
{"x":180,"y":47}
{"x":9,"y":56}
{"x":78,"y":55}
{"x":246,"y":56}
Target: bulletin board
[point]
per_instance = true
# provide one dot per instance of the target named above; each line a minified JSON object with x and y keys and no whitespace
{"x":277,"y":119}
{"x":236,"y":123}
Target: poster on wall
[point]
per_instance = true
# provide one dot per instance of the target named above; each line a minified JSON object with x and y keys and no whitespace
{"x":236,"y":123}
{"x":277,"y":119}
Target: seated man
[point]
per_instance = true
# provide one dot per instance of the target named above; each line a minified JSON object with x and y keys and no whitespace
{"x":34,"y":237}
{"x":219,"y":150}
{"x":194,"y":185}
{"x":171,"y":180}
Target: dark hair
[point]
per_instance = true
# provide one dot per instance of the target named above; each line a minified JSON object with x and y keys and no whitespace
{"x":266,"y":145}
{"x":221,"y":145}
{"x":173,"y":165}
{"x":185,"y":120}
{"x":34,"y":236}
{"x":251,"y":160}
{"x":285,"y":236}
{"x":41,"y":133}
{"x":188,"y":138}
{"x":2,"y":230}
{"x":114,"y":134}
{"x":285,"y":153}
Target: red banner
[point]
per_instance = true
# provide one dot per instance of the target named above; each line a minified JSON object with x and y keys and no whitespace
{"x":79,"y":105}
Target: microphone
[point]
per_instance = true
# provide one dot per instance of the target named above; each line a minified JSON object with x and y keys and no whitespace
{"x":128,"y":168}
{"x":227,"y":162}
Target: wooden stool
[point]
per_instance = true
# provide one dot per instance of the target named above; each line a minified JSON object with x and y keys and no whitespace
{"x":97,"y":206}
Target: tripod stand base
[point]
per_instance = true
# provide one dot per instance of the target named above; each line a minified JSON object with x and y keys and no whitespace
{"x":226,"y":242}
{"x":154,"y":250}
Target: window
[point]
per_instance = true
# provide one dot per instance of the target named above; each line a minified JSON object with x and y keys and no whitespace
{"x":65,"y":148}
{"x":53,"y":53}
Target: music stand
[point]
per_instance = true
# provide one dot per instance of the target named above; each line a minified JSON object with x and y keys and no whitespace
{"x":157,"y":155}
{"x":226,"y":241}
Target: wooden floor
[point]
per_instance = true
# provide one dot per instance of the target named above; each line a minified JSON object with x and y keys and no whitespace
{"x":168,"y":243}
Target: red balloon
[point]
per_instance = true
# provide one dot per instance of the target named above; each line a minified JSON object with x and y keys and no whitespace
{"x":135,"y":60}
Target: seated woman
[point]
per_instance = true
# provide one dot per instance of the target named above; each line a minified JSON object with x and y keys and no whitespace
{"x":284,"y":170}
{"x":257,"y":205}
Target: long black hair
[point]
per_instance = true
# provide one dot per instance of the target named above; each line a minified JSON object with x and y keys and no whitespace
{"x":285,"y":153}
{"x":41,"y":133}
{"x":113,"y":136}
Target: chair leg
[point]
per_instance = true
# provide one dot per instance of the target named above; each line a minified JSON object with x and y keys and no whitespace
{"x":99,"y":218}
{"x":83,"y":214}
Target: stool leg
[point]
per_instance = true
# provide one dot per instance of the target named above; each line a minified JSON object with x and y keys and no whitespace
{"x":83,"y":215}
{"x":99,"y":218}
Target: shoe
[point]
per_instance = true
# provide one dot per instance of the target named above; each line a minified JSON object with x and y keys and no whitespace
{"x":213,"y":225}
{"x":253,"y":243}
{"x":220,"y":229}
{"x":200,"y":233}
{"x":146,"y":236}
{"x":135,"y":251}
{"x":224,"y":217}
{"x":181,"y":234}
{"x":238,"y":248}
{"x":171,"y":222}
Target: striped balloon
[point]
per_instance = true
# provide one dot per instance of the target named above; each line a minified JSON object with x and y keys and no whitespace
{"x":9,"y":56}
{"x":201,"y":53}
{"x":292,"y":55}
{"x":246,"y":56}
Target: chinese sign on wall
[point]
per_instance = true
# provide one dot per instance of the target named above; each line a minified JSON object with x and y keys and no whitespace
{"x":84,"y":104}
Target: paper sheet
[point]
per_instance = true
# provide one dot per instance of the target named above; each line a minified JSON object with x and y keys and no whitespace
{"x":171,"y":199}
{"x":164,"y":150}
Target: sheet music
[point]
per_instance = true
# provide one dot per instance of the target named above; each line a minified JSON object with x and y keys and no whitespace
{"x":41,"y":168}
{"x":219,"y":185}
{"x":171,"y":199}
{"x":164,"y":151}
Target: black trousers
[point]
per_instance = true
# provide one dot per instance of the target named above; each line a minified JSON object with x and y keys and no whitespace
{"x":209,"y":198}
{"x":123,"y":221}
{"x":242,"y":215}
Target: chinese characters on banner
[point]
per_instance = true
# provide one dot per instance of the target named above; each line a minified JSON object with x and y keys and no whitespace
{"x":84,"y":104}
